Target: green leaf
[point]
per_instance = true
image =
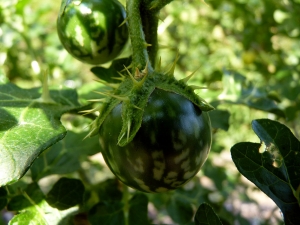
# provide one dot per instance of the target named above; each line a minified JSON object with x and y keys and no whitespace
{"x":107,"y":213}
{"x":3,"y":197}
{"x":3,"y":78}
{"x":20,"y":202}
{"x":276,"y":171}
{"x":180,"y":209}
{"x":65,"y":156}
{"x":35,"y":124}
{"x":104,"y":73}
{"x":292,"y":111}
{"x":205,"y":215}
{"x":219,"y":119}
{"x":109,"y":74}
{"x":120,"y":64}
{"x":218,"y":173}
{"x":138,"y":209}
{"x":20,"y":6}
{"x":66,"y":193}
{"x":238,"y":90}
{"x":33,"y":209}
{"x":109,"y":190}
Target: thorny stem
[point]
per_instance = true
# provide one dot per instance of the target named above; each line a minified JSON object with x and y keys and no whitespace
{"x":150,"y":25}
{"x":140,"y":55}
{"x":143,"y":23}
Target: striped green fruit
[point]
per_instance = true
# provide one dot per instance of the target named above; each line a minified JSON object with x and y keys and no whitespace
{"x":90,"y":29}
{"x":168,"y":150}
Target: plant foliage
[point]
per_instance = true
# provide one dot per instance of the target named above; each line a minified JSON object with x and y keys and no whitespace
{"x":246,"y":57}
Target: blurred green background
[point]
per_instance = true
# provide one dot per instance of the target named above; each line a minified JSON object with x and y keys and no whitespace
{"x":246,"y":52}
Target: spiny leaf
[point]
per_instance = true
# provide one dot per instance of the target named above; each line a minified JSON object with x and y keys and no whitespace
{"x":132,"y":111}
{"x":105,"y":110}
{"x":180,"y":87}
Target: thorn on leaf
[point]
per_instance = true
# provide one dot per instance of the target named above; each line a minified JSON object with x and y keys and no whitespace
{"x":158,"y":66}
{"x":186,"y":79}
{"x":195,"y":87}
{"x":128,"y":129}
{"x":171,"y":71}
{"x":124,"y":22}
{"x":130,"y":75}
{"x":119,"y":97}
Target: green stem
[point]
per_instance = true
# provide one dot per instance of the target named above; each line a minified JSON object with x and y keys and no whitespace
{"x":27,"y":41}
{"x":45,"y":90}
{"x":83,"y":177}
{"x":143,"y":23}
{"x":125,"y":201}
{"x":35,"y":205}
{"x":140,"y":57}
{"x":150,"y":25}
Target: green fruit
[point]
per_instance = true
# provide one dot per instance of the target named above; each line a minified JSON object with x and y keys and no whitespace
{"x":168,"y":150}
{"x":90,"y":29}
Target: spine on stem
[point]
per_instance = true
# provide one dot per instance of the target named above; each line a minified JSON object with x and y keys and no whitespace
{"x":150,"y":25}
{"x":140,"y":57}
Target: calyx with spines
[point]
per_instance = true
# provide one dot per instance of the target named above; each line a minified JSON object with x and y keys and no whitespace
{"x":134,"y":91}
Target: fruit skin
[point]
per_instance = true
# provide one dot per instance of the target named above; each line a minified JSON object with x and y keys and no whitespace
{"x":90,"y":30}
{"x":168,"y":150}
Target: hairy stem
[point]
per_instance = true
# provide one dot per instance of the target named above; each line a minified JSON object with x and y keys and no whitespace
{"x":140,"y":57}
{"x":150,"y":25}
